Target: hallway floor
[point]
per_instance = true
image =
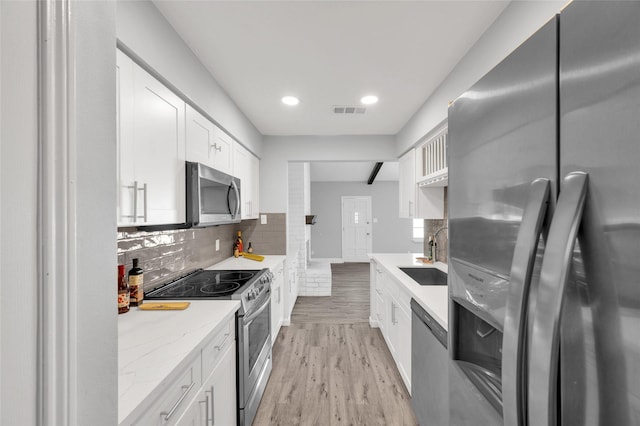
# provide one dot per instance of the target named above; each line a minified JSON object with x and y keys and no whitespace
{"x":330,"y":367}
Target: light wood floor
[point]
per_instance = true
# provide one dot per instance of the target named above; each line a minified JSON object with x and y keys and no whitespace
{"x":348,"y":303}
{"x":330,"y":367}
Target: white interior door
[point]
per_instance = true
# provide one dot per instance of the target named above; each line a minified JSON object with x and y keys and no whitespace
{"x":356,"y":228}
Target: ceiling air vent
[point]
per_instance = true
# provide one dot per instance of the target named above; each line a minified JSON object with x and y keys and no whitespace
{"x":349,"y":109}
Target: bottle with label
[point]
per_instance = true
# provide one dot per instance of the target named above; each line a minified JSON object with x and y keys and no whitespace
{"x":236,"y":252}
{"x":239,"y":242}
{"x":136,"y":280}
{"x":249,"y":249}
{"x":123,"y":291}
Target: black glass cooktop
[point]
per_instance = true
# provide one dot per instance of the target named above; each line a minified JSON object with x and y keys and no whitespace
{"x":202,"y":284}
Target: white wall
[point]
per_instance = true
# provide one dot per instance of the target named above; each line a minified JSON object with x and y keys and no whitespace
{"x":87,"y":392}
{"x":18,"y":213}
{"x":94,"y":263}
{"x":390,"y":234}
{"x":144,"y":30}
{"x":279,"y":150}
{"x":516,"y":24}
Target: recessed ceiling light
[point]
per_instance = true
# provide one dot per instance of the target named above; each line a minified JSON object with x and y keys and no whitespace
{"x":368,"y":100}
{"x":290,"y":100}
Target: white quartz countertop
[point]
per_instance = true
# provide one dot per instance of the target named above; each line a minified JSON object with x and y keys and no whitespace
{"x":270,"y":261}
{"x":433,"y":298}
{"x":152,"y":344}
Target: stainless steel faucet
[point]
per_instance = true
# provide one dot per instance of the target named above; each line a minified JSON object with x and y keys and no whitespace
{"x":435,"y":242}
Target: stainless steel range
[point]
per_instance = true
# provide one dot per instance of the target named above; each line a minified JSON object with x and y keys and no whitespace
{"x":253,"y":289}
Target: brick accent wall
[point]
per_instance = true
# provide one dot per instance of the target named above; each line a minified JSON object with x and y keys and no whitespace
{"x":297,"y":234}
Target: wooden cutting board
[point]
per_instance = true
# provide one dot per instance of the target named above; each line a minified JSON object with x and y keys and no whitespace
{"x":164,"y":306}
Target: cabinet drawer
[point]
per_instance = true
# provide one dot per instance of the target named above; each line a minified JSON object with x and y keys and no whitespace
{"x":393,"y":288}
{"x":404,"y":299}
{"x":278,"y":271}
{"x":216,"y":347}
{"x":177,"y":395}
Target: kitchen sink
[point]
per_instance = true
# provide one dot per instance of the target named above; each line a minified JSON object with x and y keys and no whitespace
{"x":426,"y":276}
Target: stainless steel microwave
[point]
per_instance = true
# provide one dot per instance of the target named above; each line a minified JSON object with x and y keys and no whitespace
{"x":213,"y":197}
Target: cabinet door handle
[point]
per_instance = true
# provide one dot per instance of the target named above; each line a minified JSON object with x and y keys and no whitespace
{"x":186,"y":388}
{"x":135,"y":201}
{"x":393,"y":313}
{"x":278,"y":294}
{"x":215,"y":147}
{"x":210,"y":403}
{"x":223,"y":343}
{"x":144,"y":190}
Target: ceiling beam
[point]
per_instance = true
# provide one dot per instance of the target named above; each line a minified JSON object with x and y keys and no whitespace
{"x":374,"y":173}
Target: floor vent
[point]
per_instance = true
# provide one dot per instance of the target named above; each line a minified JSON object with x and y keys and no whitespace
{"x":349,"y":110}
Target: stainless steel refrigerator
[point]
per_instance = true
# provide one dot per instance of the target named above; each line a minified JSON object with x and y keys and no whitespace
{"x":544,"y":221}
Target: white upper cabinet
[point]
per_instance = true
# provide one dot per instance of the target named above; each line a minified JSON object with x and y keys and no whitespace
{"x":124,"y":116}
{"x":151,"y":149}
{"x":207,"y":143}
{"x":423,"y":176}
{"x":246,"y":166}
{"x":431,"y":161}
{"x":407,"y":182}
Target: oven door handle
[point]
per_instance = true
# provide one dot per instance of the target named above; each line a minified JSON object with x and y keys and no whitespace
{"x":248,"y":319}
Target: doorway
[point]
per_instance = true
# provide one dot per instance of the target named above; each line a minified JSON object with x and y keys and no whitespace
{"x":356,"y":228}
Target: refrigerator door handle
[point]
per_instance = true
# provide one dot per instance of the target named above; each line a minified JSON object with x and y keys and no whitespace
{"x":556,"y":265}
{"x":524,"y":256}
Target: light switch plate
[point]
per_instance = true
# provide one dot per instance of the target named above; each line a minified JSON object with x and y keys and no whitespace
{"x":263,"y":219}
{"x":217,"y":245}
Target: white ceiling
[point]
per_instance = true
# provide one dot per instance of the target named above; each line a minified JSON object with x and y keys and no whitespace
{"x":346,"y":171}
{"x":329,"y":53}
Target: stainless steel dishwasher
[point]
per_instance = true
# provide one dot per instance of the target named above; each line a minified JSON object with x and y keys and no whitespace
{"x":429,"y":369}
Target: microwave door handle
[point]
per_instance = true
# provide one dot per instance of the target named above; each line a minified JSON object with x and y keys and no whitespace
{"x":235,"y":189}
{"x":524,"y":257}
{"x":556,"y":267}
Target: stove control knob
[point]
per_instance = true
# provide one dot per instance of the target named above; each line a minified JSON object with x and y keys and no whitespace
{"x":251,"y":295}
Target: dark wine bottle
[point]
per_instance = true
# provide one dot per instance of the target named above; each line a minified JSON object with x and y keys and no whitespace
{"x":123,"y":291}
{"x":136,"y":288}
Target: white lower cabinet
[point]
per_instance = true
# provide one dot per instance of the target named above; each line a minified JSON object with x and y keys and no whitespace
{"x":170,"y":405}
{"x":377,"y":303}
{"x":204,"y":392}
{"x":391,"y":312}
{"x":379,"y":309}
{"x":277,"y":311}
{"x":400,"y":334}
{"x":215,"y":404}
